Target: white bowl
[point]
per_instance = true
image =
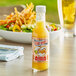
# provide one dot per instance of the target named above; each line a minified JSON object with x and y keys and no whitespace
{"x":23,"y":37}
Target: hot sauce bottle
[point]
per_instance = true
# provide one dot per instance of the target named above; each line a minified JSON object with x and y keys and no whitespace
{"x":40,"y":39}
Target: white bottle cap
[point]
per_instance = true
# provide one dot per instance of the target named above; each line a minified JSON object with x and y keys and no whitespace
{"x":41,"y":8}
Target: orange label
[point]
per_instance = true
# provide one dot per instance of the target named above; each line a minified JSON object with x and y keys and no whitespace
{"x":40,"y":49}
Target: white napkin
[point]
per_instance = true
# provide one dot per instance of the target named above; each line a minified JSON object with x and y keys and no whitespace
{"x":8,"y":52}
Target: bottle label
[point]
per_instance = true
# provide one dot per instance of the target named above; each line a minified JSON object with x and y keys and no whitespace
{"x":40,"y":49}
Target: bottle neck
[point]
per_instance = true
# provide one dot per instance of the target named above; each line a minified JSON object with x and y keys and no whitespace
{"x":40,"y":19}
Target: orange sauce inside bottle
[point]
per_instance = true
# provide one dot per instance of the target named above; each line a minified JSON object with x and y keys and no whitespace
{"x":40,"y":32}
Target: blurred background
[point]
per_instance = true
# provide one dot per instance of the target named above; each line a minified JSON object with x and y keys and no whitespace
{"x":51,"y":15}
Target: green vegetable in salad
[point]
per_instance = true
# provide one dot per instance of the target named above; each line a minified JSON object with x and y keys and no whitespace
{"x":27,"y":28}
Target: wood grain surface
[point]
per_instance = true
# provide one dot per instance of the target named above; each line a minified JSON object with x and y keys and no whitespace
{"x":62,"y":60}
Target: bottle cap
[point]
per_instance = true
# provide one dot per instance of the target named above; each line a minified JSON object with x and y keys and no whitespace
{"x":41,"y":8}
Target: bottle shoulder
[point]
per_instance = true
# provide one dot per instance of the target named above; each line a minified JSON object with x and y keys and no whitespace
{"x":43,"y":33}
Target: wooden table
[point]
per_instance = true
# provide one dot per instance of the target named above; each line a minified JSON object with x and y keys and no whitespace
{"x":62,"y":60}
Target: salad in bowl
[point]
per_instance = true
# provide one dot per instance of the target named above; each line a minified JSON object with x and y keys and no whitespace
{"x":18,"y":26}
{"x":23,"y":21}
